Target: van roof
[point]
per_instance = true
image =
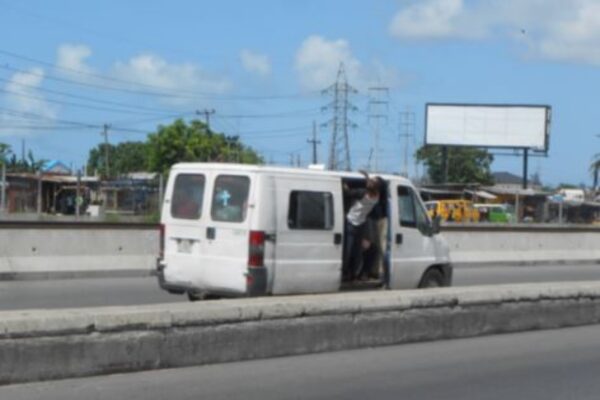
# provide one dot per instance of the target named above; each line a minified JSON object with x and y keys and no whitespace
{"x":277,"y":170}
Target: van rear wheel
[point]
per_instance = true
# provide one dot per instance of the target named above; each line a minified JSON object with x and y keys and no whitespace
{"x":433,"y":278}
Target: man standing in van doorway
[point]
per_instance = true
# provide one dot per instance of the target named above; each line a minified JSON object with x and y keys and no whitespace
{"x":363,"y":201}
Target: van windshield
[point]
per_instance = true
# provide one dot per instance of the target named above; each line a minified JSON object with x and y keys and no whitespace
{"x":230,"y":198}
{"x":188,"y":193}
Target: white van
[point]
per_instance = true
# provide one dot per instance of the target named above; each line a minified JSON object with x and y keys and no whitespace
{"x":246,"y":230}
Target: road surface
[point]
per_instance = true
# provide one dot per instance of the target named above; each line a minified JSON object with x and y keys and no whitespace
{"x":94,"y":292}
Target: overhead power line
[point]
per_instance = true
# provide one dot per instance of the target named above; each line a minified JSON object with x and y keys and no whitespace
{"x":85,"y":98}
{"x":78,"y":105}
{"x":156,"y":90}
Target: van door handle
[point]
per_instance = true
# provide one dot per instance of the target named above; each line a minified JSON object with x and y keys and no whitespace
{"x":337,"y":238}
{"x":211,"y":233}
{"x":398,"y":238}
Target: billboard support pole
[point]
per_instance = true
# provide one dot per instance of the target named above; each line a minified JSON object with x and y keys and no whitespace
{"x":525,"y":162}
{"x":445,"y":164}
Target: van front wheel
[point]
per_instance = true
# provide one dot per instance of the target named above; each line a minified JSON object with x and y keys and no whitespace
{"x":198,"y":296}
{"x":194,"y":296}
{"x":433,"y":278}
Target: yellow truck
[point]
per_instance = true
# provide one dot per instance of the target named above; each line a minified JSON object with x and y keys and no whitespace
{"x":453,"y":210}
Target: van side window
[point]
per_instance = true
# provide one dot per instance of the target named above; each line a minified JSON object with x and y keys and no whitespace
{"x":411,"y":212}
{"x":188,"y":194}
{"x":310,"y":210}
{"x":230,"y":198}
{"x":406,"y":207}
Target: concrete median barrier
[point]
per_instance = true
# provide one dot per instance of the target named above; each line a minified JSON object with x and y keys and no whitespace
{"x":55,"y":344}
{"x":477,"y":245}
{"x":53,"y":250}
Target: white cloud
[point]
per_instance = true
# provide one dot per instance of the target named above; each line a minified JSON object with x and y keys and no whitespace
{"x":256,"y":63}
{"x":431,"y":19}
{"x":71,"y":57}
{"x":573,"y":36}
{"x":318,"y":60}
{"x":150,"y":69}
{"x":551,"y":29}
{"x":22,"y":96}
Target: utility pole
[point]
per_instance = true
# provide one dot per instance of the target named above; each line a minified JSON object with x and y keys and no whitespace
{"x":105,"y":134}
{"x":407,"y":130}
{"x":378,"y":109}
{"x":314,"y":142}
{"x":206,"y":113}
{"x":3,"y":189}
{"x":339,"y":152}
{"x":78,"y":198}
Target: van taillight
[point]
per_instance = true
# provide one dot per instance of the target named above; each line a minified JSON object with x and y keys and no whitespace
{"x":256,"y":250}
{"x":161,"y":240}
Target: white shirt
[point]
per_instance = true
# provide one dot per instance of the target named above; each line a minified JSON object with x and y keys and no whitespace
{"x":357,"y":215}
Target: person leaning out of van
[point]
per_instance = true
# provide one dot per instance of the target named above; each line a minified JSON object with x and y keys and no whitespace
{"x":363,"y":200}
{"x":374,"y":236}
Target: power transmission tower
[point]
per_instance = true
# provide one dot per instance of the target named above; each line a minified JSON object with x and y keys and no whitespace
{"x":339,"y":152}
{"x":314,"y":142}
{"x":206,"y":113}
{"x":378,"y":112}
{"x":406,"y":131}
{"x":104,"y":133}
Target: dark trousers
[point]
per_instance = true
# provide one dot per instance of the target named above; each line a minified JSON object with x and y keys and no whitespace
{"x":352,"y":251}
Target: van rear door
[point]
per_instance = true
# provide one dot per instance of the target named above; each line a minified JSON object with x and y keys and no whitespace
{"x":206,"y":231}
{"x":227,"y":233}
{"x":184,"y":219}
{"x":309,"y":226}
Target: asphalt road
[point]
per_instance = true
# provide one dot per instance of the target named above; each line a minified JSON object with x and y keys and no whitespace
{"x":543,"y":365}
{"x":96,"y":292}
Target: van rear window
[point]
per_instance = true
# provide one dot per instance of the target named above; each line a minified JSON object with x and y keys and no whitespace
{"x":230,"y":198}
{"x":188,"y":193}
{"x":310,"y":210}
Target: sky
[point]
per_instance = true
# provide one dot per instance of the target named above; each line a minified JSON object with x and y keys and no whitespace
{"x":68,"y":67}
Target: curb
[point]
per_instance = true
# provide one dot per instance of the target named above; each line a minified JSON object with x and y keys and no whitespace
{"x":89,"y":274}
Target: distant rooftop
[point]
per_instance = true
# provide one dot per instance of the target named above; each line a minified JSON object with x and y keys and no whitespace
{"x":506,"y":178}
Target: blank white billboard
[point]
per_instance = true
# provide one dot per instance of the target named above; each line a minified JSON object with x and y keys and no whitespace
{"x":487,"y":125}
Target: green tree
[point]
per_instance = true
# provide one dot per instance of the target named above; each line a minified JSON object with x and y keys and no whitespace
{"x":465,"y":164}
{"x":5,"y":153}
{"x":180,"y":142}
{"x":14,"y":164}
{"x":123,"y":158}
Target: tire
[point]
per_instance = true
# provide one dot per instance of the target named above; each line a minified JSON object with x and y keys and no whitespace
{"x":432,"y":278}
{"x":200,"y":296}
{"x":195,"y":296}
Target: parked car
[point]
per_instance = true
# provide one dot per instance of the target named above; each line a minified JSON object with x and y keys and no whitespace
{"x":497,"y":213}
